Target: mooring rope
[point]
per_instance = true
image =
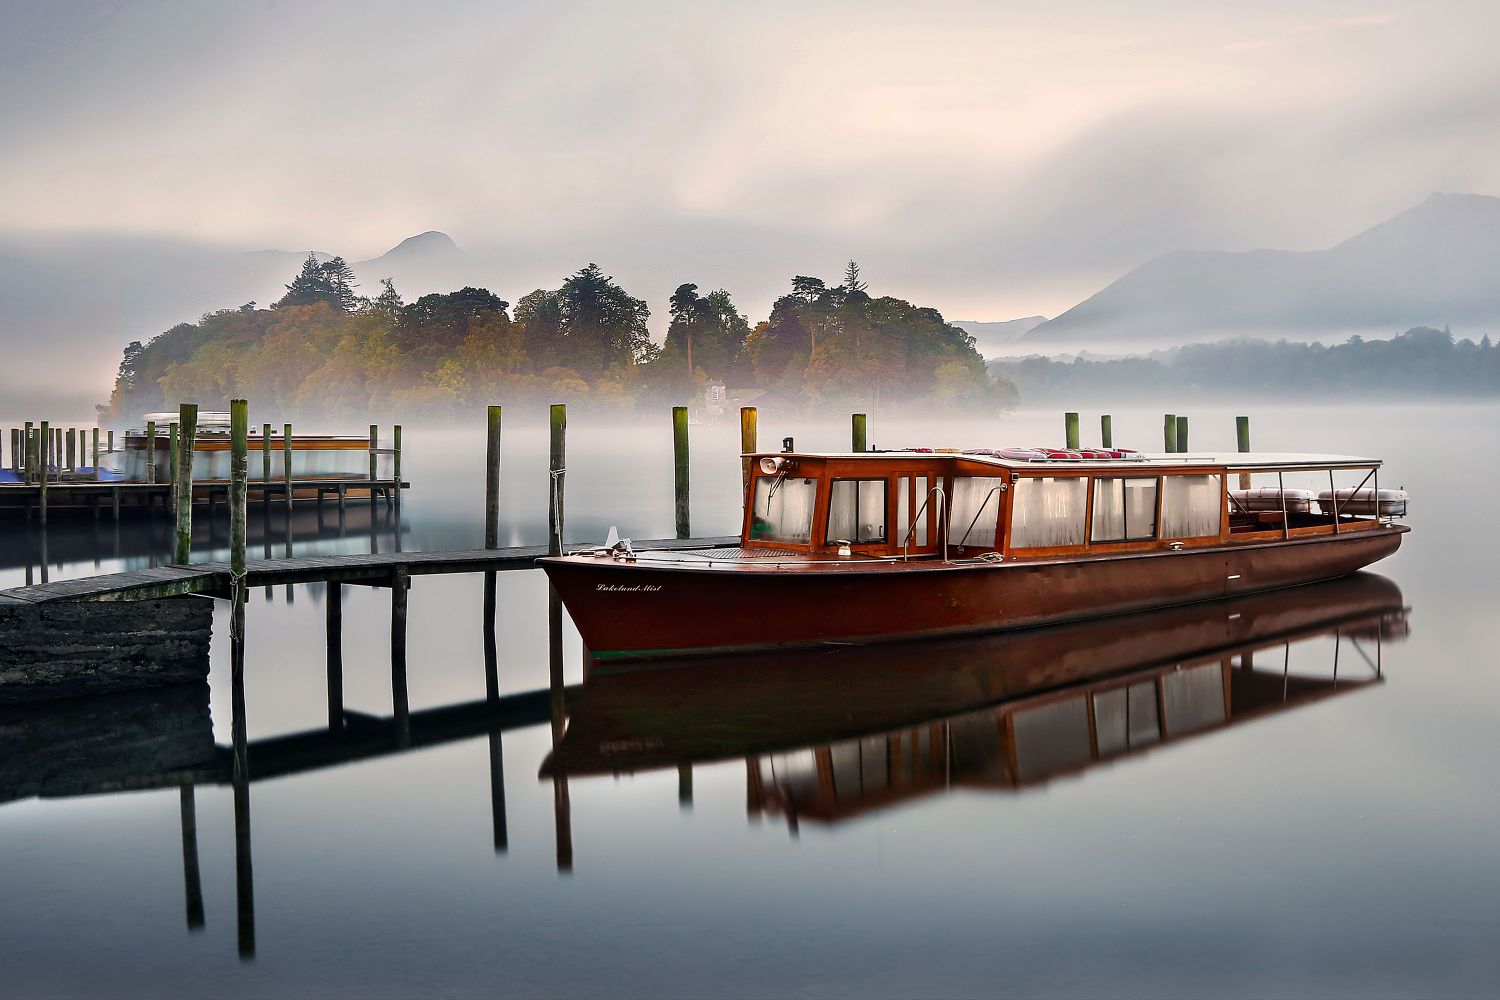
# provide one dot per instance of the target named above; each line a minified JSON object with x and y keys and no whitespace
{"x":237,"y":589}
{"x":557,"y":475}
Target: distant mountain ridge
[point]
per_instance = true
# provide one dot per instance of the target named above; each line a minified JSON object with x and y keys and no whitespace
{"x":992,"y":337}
{"x":94,"y":292}
{"x":1432,"y":265}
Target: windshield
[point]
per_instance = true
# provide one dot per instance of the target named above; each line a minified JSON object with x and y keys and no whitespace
{"x":783,"y":510}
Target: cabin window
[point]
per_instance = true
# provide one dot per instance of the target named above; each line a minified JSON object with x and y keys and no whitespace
{"x":856,"y":511}
{"x":908,"y":533}
{"x":783,"y":509}
{"x":1124,"y":510}
{"x":976,"y":510}
{"x":1048,"y":512}
{"x":1191,"y":506}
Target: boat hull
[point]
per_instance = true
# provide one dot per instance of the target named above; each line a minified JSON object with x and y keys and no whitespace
{"x":646,"y":609}
{"x":707,"y":708}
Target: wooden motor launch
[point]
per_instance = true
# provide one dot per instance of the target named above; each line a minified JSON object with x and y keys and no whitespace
{"x":860,"y":547}
{"x":1036,"y":702}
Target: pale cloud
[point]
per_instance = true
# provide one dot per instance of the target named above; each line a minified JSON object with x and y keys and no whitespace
{"x":993,"y":159}
{"x":1296,"y":34}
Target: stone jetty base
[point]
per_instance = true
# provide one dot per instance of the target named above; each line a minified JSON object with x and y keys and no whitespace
{"x":64,"y":649}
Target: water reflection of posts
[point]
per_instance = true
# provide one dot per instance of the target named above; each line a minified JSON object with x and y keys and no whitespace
{"x":561,"y":805}
{"x":244,"y":873}
{"x":492,"y":698}
{"x":192,"y":882}
{"x":335,"y":612}
{"x":400,"y":584}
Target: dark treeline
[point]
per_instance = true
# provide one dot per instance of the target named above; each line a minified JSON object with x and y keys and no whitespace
{"x":1422,"y":362}
{"x":324,"y":350}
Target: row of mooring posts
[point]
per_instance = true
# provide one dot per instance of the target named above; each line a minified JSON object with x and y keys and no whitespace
{"x":400,"y":584}
{"x":38,"y":448}
{"x":1174,"y":432}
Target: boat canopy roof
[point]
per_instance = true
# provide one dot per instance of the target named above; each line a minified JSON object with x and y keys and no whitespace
{"x":1233,"y":460}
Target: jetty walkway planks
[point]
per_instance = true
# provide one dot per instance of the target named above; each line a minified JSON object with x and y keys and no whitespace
{"x":213,"y":578}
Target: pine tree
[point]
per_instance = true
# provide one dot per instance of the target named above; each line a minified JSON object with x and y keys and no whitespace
{"x":852,"y":283}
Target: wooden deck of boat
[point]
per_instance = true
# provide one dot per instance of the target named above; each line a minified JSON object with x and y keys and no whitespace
{"x":213,"y":578}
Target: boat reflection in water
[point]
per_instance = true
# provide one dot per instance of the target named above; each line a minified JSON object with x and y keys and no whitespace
{"x":828,"y":735}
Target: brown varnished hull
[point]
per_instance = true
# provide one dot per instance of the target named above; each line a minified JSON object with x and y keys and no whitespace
{"x":646,"y":609}
{"x":714,"y":707}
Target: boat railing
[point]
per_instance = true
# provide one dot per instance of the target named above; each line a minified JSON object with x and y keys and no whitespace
{"x":942,"y":512}
{"x":982,"y":505}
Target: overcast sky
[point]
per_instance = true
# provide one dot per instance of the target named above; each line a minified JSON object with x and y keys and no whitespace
{"x":992,"y":159}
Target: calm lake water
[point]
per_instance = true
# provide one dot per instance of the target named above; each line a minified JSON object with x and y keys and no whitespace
{"x":839,"y":826}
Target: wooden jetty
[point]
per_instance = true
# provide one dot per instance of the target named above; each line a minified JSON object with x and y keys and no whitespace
{"x":149,"y":498}
{"x":45,"y":470}
{"x":213,"y":578}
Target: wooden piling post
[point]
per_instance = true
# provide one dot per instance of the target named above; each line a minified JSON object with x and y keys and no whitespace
{"x":1070,"y":430}
{"x":44,"y":434}
{"x":492,"y":478}
{"x":680,"y":469}
{"x":1182,"y":434}
{"x":286,"y":463}
{"x":858,"y":433}
{"x":239,"y":474}
{"x":374,"y":464}
{"x":173,"y":433}
{"x":1169,"y":433}
{"x":186,"y":431}
{"x":265,"y":464}
{"x":335,"y":615}
{"x":111,"y":442}
{"x":748,"y":420}
{"x":72,"y":449}
{"x":1106,"y":431}
{"x":557,"y":474}
{"x":95,"y":442}
{"x":28,"y":436}
{"x":396,"y":471}
{"x":1242,"y":439}
{"x":151,"y":451}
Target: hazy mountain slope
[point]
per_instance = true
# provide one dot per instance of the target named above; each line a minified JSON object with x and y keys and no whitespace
{"x":427,"y":262}
{"x":1431,"y":265}
{"x":72,"y":302}
{"x":994,"y":337}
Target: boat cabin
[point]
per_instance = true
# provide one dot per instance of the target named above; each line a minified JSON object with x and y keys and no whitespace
{"x":325,"y":457}
{"x":992,"y":505}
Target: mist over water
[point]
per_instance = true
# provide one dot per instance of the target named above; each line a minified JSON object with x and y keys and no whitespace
{"x":1345,"y":847}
